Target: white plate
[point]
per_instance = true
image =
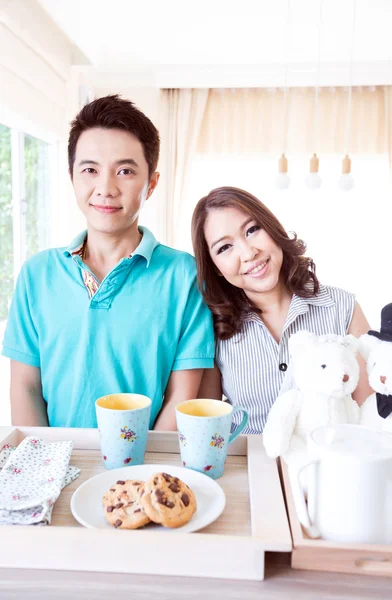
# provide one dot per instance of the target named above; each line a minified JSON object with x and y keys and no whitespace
{"x":86,"y":502}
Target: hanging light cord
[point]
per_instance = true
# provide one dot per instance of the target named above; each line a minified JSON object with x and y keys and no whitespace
{"x":316,"y":107}
{"x":285,"y":89}
{"x":350,"y":82}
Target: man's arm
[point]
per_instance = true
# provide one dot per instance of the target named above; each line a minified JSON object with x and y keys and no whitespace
{"x":182,"y":385}
{"x":211,"y":384}
{"x":195,"y":347}
{"x":28,"y":407}
{"x":21,"y":346}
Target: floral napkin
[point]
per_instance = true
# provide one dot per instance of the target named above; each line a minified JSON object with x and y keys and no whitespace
{"x":31,"y":479}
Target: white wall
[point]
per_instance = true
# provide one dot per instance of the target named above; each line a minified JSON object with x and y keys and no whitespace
{"x":35,"y":61}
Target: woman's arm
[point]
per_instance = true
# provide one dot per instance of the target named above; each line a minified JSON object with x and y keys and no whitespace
{"x":211,"y":384}
{"x":358,"y":327}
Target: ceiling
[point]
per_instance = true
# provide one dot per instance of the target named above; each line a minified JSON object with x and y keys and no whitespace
{"x":120,"y":35}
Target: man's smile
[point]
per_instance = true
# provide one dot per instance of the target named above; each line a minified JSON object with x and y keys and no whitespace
{"x":102,"y":208}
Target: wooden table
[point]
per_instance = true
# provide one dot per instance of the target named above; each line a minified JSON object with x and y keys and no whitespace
{"x":281,"y":582}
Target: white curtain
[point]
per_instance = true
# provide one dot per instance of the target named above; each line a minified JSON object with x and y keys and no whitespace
{"x":181,"y":119}
{"x":251,"y":121}
{"x":33,"y":95}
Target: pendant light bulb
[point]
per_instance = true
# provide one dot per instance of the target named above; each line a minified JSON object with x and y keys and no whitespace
{"x":283,"y":180}
{"x":346,"y":181}
{"x":313,"y":180}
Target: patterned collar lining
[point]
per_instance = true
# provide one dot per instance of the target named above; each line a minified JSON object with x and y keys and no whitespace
{"x":79,"y":251}
{"x":91,"y":283}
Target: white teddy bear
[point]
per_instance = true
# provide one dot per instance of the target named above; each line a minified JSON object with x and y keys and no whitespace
{"x":376,"y":349}
{"x":325,"y":372}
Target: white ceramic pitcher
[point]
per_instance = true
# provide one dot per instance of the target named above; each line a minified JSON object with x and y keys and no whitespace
{"x":350,"y":486}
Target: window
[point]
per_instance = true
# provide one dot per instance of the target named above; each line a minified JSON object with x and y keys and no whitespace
{"x":24,"y":205}
{"x":6,"y":231}
{"x":35,"y":207}
{"x":24,"y":221}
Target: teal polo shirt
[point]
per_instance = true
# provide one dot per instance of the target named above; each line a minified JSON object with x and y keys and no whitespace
{"x":146,"y":320}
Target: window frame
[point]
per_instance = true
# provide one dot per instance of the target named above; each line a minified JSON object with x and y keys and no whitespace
{"x":18,"y":189}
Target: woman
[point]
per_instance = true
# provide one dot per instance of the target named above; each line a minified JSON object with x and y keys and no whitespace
{"x":261,"y":289}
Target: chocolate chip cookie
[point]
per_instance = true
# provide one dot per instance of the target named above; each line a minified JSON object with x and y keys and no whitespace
{"x":122,"y":504}
{"x":168,"y":500}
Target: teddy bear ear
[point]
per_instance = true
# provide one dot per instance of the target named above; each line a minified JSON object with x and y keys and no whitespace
{"x":299,"y":340}
{"x":352,"y":342}
{"x":367,"y":343}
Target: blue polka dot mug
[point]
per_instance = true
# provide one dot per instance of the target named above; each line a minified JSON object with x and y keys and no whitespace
{"x":204,"y":430}
{"x":123,"y":421}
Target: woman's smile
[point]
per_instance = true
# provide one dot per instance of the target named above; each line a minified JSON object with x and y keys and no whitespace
{"x":259,"y":269}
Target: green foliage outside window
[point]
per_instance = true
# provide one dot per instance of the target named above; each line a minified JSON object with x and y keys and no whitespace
{"x":36,"y":194}
{"x":34,"y":206}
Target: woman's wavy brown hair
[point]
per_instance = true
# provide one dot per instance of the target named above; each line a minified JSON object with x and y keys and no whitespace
{"x":229,"y":304}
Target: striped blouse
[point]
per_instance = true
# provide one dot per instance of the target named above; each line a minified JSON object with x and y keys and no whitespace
{"x":253,"y":364}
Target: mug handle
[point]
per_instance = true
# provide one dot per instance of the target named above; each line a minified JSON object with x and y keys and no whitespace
{"x":242,"y":425}
{"x":299,"y":499}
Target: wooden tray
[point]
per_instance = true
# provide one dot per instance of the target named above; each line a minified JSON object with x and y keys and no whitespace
{"x":322,"y":555}
{"x":254,"y":520}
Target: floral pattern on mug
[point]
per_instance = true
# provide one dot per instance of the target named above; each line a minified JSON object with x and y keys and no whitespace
{"x":182,"y":438}
{"x":128,"y":434}
{"x":127,"y":461}
{"x":217,"y":441}
{"x":208,"y":468}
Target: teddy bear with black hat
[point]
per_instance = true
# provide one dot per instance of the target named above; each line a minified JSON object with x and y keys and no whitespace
{"x":376,"y":349}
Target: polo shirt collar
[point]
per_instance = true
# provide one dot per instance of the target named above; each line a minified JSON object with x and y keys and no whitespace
{"x":147,"y":245}
{"x":145,"y":248}
{"x":76,"y":244}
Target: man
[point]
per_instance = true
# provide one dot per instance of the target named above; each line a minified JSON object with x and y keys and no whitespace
{"x":115,"y":311}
